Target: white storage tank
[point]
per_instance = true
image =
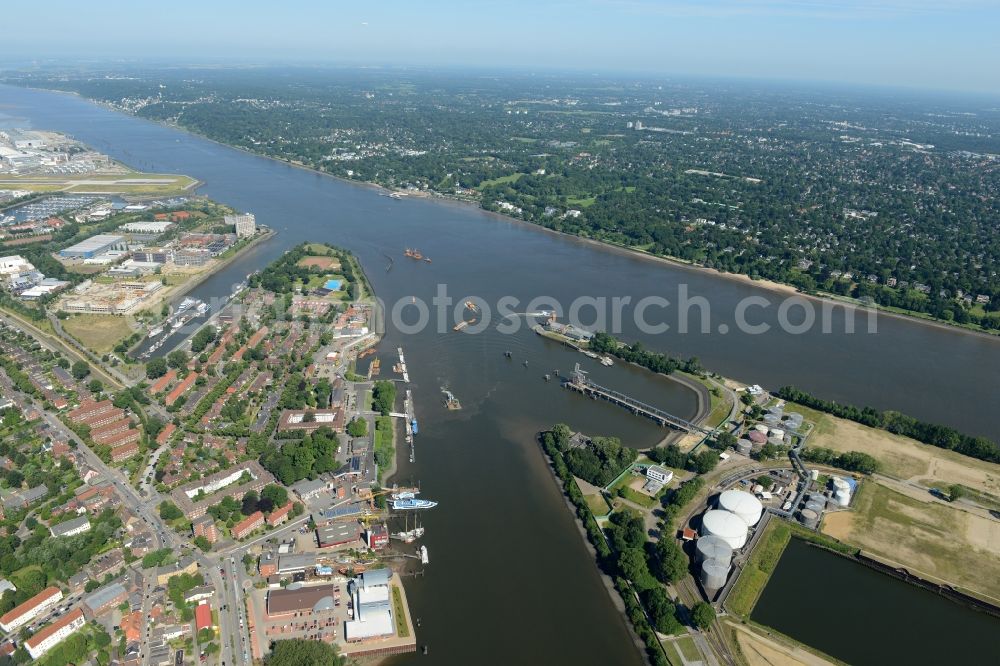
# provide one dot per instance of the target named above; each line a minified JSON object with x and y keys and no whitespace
{"x":725,"y":525}
{"x":712,"y":548}
{"x":809,"y":518}
{"x":841,"y":491}
{"x":761,"y":428}
{"x":744,"y":446}
{"x":777,"y":432}
{"x":743,"y":504}
{"x":714,"y":574}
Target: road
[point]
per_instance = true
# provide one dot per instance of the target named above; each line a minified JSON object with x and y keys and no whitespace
{"x":163,"y":537}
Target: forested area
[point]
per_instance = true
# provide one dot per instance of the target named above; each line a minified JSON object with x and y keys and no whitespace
{"x":884,"y":198}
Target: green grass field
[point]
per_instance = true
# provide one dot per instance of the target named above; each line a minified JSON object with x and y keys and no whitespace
{"x":598,"y":505}
{"x":581,"y":202}
{"x":759,"y":568}
{"x":97,"y":332}
{"x":687,"y":647}
{"x":502,"y":180}
{"x":402,"y":630}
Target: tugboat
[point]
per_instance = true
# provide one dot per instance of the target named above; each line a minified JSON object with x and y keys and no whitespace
{"x":450,"y":400}
{"x":507,"y":354}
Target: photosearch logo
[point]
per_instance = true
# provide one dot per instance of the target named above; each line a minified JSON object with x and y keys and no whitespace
{"x":682,"y":313}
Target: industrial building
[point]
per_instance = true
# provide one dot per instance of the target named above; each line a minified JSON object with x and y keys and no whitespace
{"x":104,"y":599}
{"x":337,"y":534}
{"x":154,"y":228}
{"x":93,"y":246}
{"x":372,"y":607}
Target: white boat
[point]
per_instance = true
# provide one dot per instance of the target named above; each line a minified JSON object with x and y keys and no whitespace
{"x":423,"y":555}
{"x":185,"y":304}
{"x":201,"y":309}
{"x":589,"y":354}
{"x":155,"y":332}
{"x":606,"y":361}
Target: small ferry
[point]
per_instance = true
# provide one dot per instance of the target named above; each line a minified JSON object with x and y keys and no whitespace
{"x":412,"y":504}
{"x":409,"y":501}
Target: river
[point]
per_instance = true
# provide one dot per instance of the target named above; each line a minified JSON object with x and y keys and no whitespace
{"x":867,"y":618}
{"x":508,"y":569}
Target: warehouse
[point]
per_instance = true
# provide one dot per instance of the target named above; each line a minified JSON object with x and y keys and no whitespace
{"x":93,"y":246}
{"x":337,"y":534}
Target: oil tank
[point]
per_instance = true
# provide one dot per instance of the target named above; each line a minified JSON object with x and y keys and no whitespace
{"x":839,"y":483}
{"x":743,"y":504}
{"x":816,"y":505}
{"x":714,"y":574}
{"x":725,"y":525}
{"x":744,"y":446}
{"x":777,"y":432}
{"x":809,"y":518}
{"x":712,"y":548}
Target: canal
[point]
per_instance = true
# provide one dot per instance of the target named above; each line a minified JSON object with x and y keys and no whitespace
{"x":867,"y":618}
{"x":508,"y":568}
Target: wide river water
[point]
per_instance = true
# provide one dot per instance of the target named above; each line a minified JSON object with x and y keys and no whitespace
{"x":509,"y":577}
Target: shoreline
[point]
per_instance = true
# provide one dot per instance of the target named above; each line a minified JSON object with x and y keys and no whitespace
{"x":767,"y":285}
{"x":606,"y":580}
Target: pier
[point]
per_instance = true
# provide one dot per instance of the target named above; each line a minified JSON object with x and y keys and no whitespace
{"x":578,"y":381}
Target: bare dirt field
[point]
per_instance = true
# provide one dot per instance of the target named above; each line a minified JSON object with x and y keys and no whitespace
{"x":323,"y":263}
{"x":906,"y":458}
{"x":760,"y":651}
{"x":930,"y":538}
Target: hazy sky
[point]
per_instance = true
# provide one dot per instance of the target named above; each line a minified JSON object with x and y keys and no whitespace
{"x":948,"y":44}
